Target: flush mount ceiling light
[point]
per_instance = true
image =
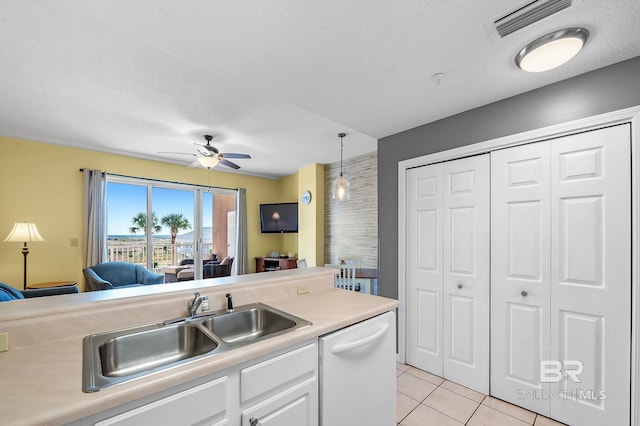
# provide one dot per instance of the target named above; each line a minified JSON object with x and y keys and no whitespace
{"x":552,"y":50}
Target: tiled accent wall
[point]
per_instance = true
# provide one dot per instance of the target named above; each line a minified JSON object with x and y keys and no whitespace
{"x":351,"y":227}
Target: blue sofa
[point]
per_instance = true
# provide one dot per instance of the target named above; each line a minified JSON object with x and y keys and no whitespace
{"x":8,"y":293}
{"x":110,"y":275}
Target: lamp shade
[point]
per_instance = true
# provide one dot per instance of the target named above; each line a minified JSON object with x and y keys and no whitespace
{"x":208,"y":161}
{"x":24,"y":232}
{"x":341,"y":188}
{"x":275,"y":216}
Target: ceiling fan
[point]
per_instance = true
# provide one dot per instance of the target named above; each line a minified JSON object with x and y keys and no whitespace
{"x":208,"y":155}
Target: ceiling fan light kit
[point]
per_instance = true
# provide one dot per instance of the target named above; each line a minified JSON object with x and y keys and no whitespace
{"x":208,"y":155}
{"x":208,"y":161}
{"x":341,"y":186}
{"x":551,"y":50}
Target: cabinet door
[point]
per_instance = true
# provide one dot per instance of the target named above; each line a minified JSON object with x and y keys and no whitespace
{"x":591,"y":275}
{"x":520,"y":262}
{"x":466,"y":272}
{"x":296,"y":406}
{"x":424,"y":268}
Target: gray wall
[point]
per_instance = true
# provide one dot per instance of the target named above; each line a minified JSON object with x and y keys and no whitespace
{"x":351,"y":227}
{"x":608,"y":89}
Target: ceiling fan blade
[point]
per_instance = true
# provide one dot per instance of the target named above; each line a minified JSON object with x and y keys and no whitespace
{"x":229,"y":164}
{"x":231,"y":155}
{"x":182,"y":153}
{"x":194,"y":164}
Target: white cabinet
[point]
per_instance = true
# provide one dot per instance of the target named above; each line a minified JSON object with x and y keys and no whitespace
{"x":358,"y":375}
{"x":282,"y":390}
{"x":203,"y":404}
{"x":448,"y":270}
{"x":277,"y":389}
{"x":561,"y":276}
{"x":296,"y":406}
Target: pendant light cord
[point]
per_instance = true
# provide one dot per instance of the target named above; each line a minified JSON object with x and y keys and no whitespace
{"x":341,"y":135}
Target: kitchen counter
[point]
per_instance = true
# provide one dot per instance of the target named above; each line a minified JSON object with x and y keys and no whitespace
{"x":41,"y":377}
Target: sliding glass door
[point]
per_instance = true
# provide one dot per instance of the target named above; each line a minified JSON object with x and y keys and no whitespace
{"x":172,"y":229}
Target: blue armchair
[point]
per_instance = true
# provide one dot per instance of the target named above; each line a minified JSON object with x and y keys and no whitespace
{"x":8,"y":293}
{"x":110,"y":275}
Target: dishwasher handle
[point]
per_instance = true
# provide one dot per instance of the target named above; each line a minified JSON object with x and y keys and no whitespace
{"x":353,"y":345}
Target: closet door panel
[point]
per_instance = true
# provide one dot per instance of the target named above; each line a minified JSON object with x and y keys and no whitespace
{"x":424,"y":268}
{"x":520,"y":274}
{"x":466,"y":272}
{"x":591,"y":275}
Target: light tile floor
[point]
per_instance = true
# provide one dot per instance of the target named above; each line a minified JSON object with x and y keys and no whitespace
{"x":425,"y":399}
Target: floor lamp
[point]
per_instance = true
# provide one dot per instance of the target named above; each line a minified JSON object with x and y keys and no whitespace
{"x":24,"y":232}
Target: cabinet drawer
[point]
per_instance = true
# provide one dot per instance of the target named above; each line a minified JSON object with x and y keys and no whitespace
{"x":296,"y":406}
{"x":204,"y":402}
{"x":288,"y":368}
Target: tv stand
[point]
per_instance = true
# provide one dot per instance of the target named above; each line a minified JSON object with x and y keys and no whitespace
{"x":265,"y":264}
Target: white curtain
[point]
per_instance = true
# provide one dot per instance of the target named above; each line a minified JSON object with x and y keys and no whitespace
{"x":241,"y":262}
{"x":95,"y":217}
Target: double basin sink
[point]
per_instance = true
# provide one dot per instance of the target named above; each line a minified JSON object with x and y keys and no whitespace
{"x":119,"y":356}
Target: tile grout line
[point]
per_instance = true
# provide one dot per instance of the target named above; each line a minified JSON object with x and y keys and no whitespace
{"x":433,"y":408}
{"x":474,"y":412}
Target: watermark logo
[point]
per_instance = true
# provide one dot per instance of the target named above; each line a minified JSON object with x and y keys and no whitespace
{"x":566,"y":394}
{"x":554,"y":371}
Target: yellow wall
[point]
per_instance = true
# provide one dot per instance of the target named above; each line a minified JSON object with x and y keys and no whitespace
{"x":289,"y":194}
{"x":41,"y":183}
{"x":311,"y":223}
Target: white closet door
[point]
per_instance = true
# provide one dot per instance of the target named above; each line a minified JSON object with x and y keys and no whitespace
{"x":424,"y":268}
{"x":466,"y":272}
{"x":520,"y":229}
{"x":591,"y":275}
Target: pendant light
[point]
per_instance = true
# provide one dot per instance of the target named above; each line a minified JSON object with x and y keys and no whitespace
{"x":341,"y":186}
{"x":552,"y":50}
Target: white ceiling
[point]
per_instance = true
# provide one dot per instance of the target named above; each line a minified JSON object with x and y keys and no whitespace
{"x":276,"y":79}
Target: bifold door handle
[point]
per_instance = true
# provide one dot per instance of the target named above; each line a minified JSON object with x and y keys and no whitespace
{"x":460,"y":285}
{"x":523,"y":293}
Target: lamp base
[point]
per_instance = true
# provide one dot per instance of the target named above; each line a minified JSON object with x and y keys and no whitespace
{"x":25,"y":252}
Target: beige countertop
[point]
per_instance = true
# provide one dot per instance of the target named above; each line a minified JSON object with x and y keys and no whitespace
{"x":42,"y":383}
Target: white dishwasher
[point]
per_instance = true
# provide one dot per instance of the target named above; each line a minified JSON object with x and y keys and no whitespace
{"x":358,"y":374}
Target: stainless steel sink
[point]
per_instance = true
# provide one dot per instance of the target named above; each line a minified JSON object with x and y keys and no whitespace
{"x":122,"y":355}
{"x":250,"y":325}
{"x":142,"y":351}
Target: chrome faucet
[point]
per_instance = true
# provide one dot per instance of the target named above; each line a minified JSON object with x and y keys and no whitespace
{"x":229,"y":302}
{"x":194,"y":304}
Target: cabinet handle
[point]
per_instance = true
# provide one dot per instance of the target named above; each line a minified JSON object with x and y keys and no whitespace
{"x":523,"y":293}
{"x":253,"y":421}
{"x":460,"y":285}
{"x":352,"y":345}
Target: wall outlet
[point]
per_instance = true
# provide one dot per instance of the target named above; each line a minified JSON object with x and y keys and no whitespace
{"x":303,"y":288}
{"x":4,"y":341}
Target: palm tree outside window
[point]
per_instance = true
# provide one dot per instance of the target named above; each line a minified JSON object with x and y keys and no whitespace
{"x":175,"y":222}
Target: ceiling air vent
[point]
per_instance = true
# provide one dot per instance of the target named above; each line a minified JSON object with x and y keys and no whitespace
{"x":528,"y":14}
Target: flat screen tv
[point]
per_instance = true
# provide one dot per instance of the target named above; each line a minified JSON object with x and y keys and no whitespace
{"x":278,"y":218}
